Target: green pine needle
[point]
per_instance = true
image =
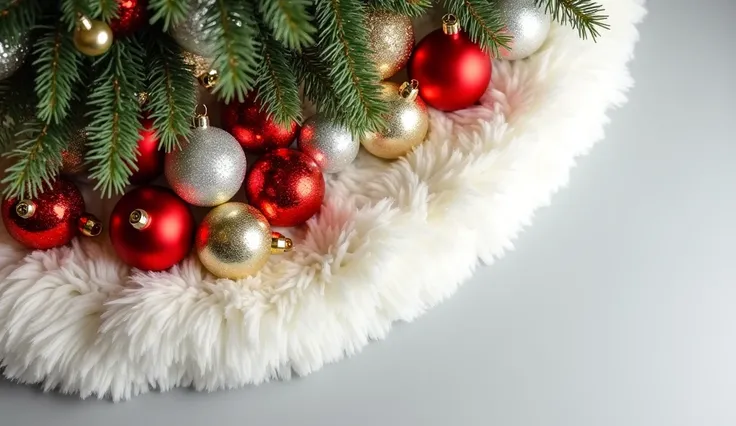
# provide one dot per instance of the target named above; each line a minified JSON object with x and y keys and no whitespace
{"x":277,"y":85}
{"x":104,"y":9}
{"x":71,"y":9}
{"x":289,"y":21}
{"x":169,"y":12}
{"x":411,"y":8}
{"x":314,"y":76}
{"x":57,"y":72}
{"x":17,"y":18}
{"x":482,"y":21}
{"x":585,"y":16}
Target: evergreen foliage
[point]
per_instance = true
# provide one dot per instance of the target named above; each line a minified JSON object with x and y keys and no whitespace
{"x":269,"y":47}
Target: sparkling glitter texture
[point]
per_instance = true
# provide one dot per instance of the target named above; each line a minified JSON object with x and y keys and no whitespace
{"x":234,"y":241}
{"x":12,"y":55}
{"x":72,"y":158}
{"x":191,"y":33}
{"x":330,"y":145}
{"x":208,"y":169}
{"x":527,"y":24}
{"x":54,"y":221}
{"x":391,"y":38}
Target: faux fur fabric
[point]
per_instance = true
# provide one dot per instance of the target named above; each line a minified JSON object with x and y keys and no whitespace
{"x":392,"y":240}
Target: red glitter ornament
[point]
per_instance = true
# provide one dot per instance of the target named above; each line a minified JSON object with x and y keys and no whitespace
{"x":132,"y":16}
{"x":286,"y":186}
{"x":150,"y":160}
{"x":453,"y":72}
{"x":256,"y":130}
{"x":49,"y":220}
{"x":151,"y":228}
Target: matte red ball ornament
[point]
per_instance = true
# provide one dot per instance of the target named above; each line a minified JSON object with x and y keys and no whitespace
{"x":49,"y":220}
{"x":132,"y":16}
{"x":150,"y":160}
{"x":453,"y":72}
{"x":255,"y":130}
{"x":151,"y":228}
{"x":286,"y":186}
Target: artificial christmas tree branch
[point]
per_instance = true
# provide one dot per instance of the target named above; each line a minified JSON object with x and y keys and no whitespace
{"x":168,"y":12}
{"x":17,"y":17}
{"x":482,"y":21}
{"x":104,"y":9}
{"x":277,"y":85}
{"x":57,"y":72}
{"x":411,"y":8}
{"x":315,"y":78}
{"x":586,"y":16}
{"x":289,"y":22}
{"x":71,"y":10}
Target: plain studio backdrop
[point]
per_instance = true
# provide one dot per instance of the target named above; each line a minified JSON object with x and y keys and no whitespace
{"x":618,"y":306}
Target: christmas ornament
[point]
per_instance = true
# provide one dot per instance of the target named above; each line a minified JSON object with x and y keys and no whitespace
{"x":50,"y":220}
{"x":132,"y":16}
{"x":208,"y":169}
{"x":142,"y":98}
{"x":255,"y":129}
{"x":286,"y":186}
{"x":454,"y":72}
{"x":234,"y":241}
{"x":151,"y":228}
{"x":150,"y":160}
{"x":527,"y":23}
{"x":407,"y":122}
{"x":192,"y":33}
{"x":203,"y":71}
{"x":12,"y":55}
{"x":89,"y":225}
{"x":391,"y":39}
{"x":330,"y":145}
{"x":72,"y":158}
{"x":92,"y":37}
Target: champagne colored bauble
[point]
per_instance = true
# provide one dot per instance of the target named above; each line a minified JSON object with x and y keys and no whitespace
{"x":150,"y":159}
{"x":407,"y":122}
{"x":49,"y":220}
{"x":234,"y":241}
{"x":286,"y":186}
{"x":330,"y":145}
{"x":92,"y":37}
{"x":72,"y":158}
{"x":132,"y":16}
{"x":151,"y":228}
{"x":391,"y":39}
{"x":527,"y":23}
{"x":191,"y":33}
{"x":256,"y":130}
{"x":454,"y":72}
{"x":208,"y":169}
{"x":12,"y":55}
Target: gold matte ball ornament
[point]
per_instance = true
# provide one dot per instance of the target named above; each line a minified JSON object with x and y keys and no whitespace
{"x":391,"y":39}
{"x":407,"y":122}
{"x":92,"y":37}
{"x":235,"y":240}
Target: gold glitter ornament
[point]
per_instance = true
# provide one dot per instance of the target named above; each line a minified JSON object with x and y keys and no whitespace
{"x":92,"y":37}
{"x":72,"y":158}
{"x":235,"y":240}
{"x":407,"y":122}
{"x":391,"y":39}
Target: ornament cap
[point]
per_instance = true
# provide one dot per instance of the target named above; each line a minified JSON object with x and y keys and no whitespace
{"x":450,"y":24}
{"x":280,"y":243}
{"x":84,"y":22}
{"x":209,"y":79}
{"x":140,"y":219}
{"x":409,"y":90}
{"x":25,"y":209}
{"x":89,"y":225}
{"x":202,"y":121}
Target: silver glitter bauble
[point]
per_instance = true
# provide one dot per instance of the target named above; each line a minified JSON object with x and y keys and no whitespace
{"x":12,"y":55}
{"x":208,"y":169}
{"x":331,"y":146}
{"x":191,"y":33}
{"x":527,"y":24}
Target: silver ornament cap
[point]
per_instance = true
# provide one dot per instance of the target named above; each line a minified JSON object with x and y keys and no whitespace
{"x":330,"y":145}
{"x":12,"y":55}
{"x":191,"y":33}
{"x":209,"y":168}
{"x":528,"y":25}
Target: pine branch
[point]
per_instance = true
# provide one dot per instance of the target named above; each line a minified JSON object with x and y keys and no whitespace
{"x":71,"y":9}
{"x":411,"y":8}
{"x":289,"y":21}
{"x":17,"y":105}
{"x":172,"y":96}
{"x":315,"y":78}
{"x":232,"y":28}
{"x":104,"y":9}
{"x":343,"y":45}
{"x":17,"y":17}
{"x":37,"y":159}
{"x":586,"y":16}
{"x":482,"y":21}
{"x":277,"y":86}
{"x":57,"y":72}
{"x":113,"y":130}
{"x":171,"y":12}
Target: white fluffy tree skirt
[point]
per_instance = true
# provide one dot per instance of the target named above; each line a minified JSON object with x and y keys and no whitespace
{"x":392,"y":240}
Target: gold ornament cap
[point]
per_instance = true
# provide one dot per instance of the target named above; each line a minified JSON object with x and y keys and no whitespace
{"x":25,"y":209}
{"x":209,"y":79}
{"x":140,"y":219}
{"x":202,"y":121}
{"x":450,"y":24}
{"x":92,"y":37}
{"x":280,"y":243}
{"x":89,"y":225}
{"x":409,"y":90}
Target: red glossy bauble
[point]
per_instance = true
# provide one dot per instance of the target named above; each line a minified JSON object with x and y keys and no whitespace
{"x":255,"y":129}
{"x":150,"y":160}
{"x":286,"y":186}
{"x":50,"y":221}
{"x":132,"y":16}
{"x":453,"y":72}
{"x":151,"y":228}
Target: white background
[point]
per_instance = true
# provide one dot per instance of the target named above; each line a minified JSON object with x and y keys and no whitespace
{"x":617,"y":308}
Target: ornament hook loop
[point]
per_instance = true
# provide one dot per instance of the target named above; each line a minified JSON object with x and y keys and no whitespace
{"x":25,"y":209}
{"x":201,"y":121}
{"x":139,"y":219}
{"x":280,"y":243}
{"x":450,"y":24}
{"x":409,"y":90}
